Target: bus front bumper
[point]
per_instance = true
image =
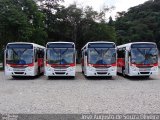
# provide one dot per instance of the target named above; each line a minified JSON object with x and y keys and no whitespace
{"x":49,"y":71}
{"x":138,"y":72}
{"x":91,"y":71}
{"x":24,"y":72}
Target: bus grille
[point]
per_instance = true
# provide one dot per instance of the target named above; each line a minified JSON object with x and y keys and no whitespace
{"x":19,"y":73}
{"x":61,"y":73}
{"x":102,"y":70}
{"x":102,"y":73}
{"x":144,"y":69}
{"x":144,"y":72}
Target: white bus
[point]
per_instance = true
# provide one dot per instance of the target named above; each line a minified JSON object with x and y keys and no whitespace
{"x":99,"y":59}
{"x":138,"y":59}
{"x":60,"y":59}
{"x":24,"y":59}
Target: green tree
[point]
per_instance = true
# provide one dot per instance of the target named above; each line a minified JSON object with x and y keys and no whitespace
{"x":140,"y":23}
{"x":21,"y":21}
{"x":76,"y":24}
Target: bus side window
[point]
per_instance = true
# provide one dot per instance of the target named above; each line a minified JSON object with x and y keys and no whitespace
{"x":85,"y":53}
{"x":129,"y":53}
{"x":41,"y":53}
{"x":121,"y":53}
{"x":35,"y":53}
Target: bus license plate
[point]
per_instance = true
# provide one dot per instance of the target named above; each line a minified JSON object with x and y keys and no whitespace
{"x":19,"y":70}
{"x":145,"y":69}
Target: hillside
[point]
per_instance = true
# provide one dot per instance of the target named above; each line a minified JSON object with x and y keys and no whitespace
{"x":140,"y":23}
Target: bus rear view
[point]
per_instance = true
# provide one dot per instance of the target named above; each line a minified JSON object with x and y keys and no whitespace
{"x":60,"y":59}
{"x":99,"y":59}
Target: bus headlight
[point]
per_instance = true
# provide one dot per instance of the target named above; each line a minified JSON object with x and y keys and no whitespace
{"x":9,"y":68}
{"x":71,"y":69}
{"x":90,"y":68}
{"x":113,"y":68}
{"x":30,"y":69}
{"x":154,"y":68}
{"x":133,"y":68}
{"x":48,"y":68}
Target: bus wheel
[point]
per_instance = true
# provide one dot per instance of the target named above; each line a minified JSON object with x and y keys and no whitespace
{"x":82,"y":70}
{"x":15,"y":77}
{"x":110,"y":77}
{"x":123,"y":73}
{"x":72,"y":77}
{"x":39,"y":71}
{"x":146,"y":77}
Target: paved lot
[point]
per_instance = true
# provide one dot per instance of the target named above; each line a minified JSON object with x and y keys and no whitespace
{"x":80,"y":95}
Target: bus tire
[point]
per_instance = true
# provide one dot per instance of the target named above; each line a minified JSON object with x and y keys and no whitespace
{"x":123,"y":72}
{"x":39,"y":71}
{"x":82,"y":70}
{"x":147,"y":76}
{"x":86,"y":76}
{"x":72,"y":77}
{"x":14,"y":77}
{"x":110,"y":77}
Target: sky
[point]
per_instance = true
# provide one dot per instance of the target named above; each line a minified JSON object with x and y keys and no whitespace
{"x":120,"y":5}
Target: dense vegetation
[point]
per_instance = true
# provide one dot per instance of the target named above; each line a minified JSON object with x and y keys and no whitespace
{"x":140,"y":23}
{"x":47,"y":20}
{"x":40,"y":21}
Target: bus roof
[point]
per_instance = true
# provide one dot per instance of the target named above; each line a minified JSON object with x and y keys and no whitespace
{"x":129,"y":44}
{"x":34,"y":44}
{"x":96,"y":42}
{"x":60,"y":42}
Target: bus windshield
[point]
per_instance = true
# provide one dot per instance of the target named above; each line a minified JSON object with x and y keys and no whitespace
{"x":60,"y":55}
{"x":19,"y":56}
{"x":144,"y":55}
{"x":102,"y":55}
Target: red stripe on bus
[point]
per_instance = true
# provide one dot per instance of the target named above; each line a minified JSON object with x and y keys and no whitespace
{"x":59,"y":65}
{"x":102,"y":65}
{"x":155,"y":64}
{"x":25,"y":65}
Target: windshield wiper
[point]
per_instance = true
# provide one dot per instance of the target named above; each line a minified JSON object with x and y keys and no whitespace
{"x":106,"y":50}
{"x":65,"y":51}
{"x":96,"y":50}
{"x":101,"y":51}
{"x":17,"y":54}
